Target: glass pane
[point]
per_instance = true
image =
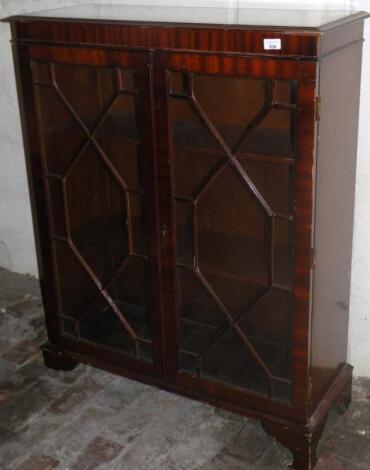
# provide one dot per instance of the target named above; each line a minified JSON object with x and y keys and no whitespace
{"x":119,"y":139}
{"x":62,"y":135}
{"x":192,"y":169}
{"x":102,"y":325}
{"x":98,"y":203}
{"x":184,"y":233}
{"x":232,"y":229}
{"x":97,"y":214}
{"x":120,"y":123}
{"x":235,"y":312}
{"x":229,"y":361}
{"x":200,"y":318}
{"x":87,"y":89}
{"x":282,"y":390}
{"x":231,"y":103}
{"x":235,"y":292}
{"x":137,"y":224}
{"x":268,"y":326}
{"x":189,"y":131}
{"x":196,"y":304}
{"x":129,"y":289}
{"x":193,"y":161}
{"x":273,"y":137}
{"x":193,"y":336}
{"x":189,"y":362}
{"x":273,"y":181}
{"x":69,"y":326}
{"x":76,"y":289}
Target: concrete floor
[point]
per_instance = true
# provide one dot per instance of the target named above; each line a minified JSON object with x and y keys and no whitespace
{"x":88,"y":419}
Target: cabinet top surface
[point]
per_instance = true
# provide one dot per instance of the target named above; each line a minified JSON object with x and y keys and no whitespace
{"x":236,"y":16}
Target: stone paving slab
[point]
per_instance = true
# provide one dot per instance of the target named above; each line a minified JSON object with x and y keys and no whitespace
{"x":88,"y":419}
{"x":15,"y":289}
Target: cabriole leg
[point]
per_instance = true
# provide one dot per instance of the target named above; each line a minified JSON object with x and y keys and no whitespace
{"x":302,"y":444}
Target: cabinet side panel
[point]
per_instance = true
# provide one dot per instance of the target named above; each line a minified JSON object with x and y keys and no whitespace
{"x":335,"y":191}
{"x":339,"y":38}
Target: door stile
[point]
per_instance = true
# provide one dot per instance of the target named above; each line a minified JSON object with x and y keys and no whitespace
{"x":166,"y":224}
{"x":303,"y":233}
{"x":146,"y":118}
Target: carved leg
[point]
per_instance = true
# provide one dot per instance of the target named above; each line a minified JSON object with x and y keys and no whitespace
{"x":302,"y":440}
{"x":301,"y":444}
{"x":54,"y":359}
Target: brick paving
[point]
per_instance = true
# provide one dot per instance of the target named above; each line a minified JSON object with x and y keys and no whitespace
{"x":89,"y":419}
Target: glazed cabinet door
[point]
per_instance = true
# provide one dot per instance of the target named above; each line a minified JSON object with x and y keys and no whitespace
{"x":93,"y":114}
{"x":237,"y":257}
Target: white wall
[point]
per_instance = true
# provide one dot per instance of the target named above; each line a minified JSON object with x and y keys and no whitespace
{"x":17,"y":251}
{"x":16,"y":237}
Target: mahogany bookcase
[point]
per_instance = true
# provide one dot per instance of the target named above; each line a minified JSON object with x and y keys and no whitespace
{"x":193,"y":182}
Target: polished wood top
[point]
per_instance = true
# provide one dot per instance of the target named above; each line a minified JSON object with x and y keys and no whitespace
{"x":319,"y":20}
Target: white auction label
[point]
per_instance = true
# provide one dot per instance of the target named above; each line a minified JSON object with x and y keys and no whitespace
{"x":272,"y":44}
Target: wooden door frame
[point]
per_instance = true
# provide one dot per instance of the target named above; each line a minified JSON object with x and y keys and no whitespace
{"x":305,"y":74}
{"x":36,"y":169}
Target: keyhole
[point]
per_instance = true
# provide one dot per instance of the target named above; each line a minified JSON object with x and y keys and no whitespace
{"x":164,"y":232}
